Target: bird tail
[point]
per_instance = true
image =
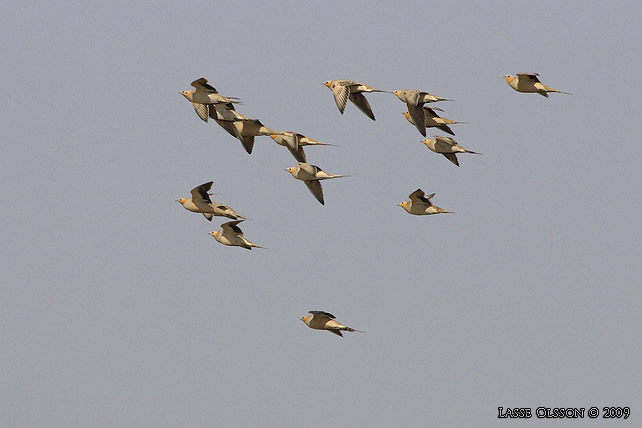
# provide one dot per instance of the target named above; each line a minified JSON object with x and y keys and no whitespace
{"x":473,"y":153}
{"x":549,"y":89}
{"x":336,"y":176}
{"x":350,"y":329}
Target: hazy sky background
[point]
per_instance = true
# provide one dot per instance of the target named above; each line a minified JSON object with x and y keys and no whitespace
{"x":118,"y":310}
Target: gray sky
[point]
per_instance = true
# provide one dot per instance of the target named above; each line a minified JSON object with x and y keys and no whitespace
{"x":118,"y":310}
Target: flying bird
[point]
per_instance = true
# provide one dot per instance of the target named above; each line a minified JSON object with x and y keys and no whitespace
{"x":447,"y":147}
{"x":200,"y":202}
{"x":245,"y":130}
{"x":343,"y":89}
{"x":433,"y":120}
{"x":311,"y":176}
{"x":232,"y":235}
{"x":205,"y":97}
{"x":415,"y":101}
{"x":529,"y":82}
{"x":419,"y":204}
{"x":294,"y":142}
{"x":320,"y":320}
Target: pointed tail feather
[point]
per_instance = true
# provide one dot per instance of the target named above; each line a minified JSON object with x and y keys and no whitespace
{"x":549,"y":89}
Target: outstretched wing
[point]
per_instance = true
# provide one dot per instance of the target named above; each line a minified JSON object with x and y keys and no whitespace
{"x":315,"y":188}
{"x":321,"y":313}
{"x":202,"y":110}
{"x":529,"y":76}
{"x":201,"y":84}
{"x":199,"y":193}
{"x":419,"y":117}
{"x":340,"y":93}
{"x":420,"y":197}
{"x":362,"y":104}
{"x":231,"y":227}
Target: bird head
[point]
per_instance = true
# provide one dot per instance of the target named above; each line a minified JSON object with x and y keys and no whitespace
{"x":181,"y":200}
{"x":215,"y":233}
{"x":404,"y":204}
{"x":187,"y":94}
{"x":328,"y":83}
{"x":509,"y":78}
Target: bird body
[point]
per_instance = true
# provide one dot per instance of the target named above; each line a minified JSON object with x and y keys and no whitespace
{"x":344,"y":89}
{"x":311,"y":176}
{"x":225,"y":112}
{"x":529,"y":83}
{"x":420,"y":204}
{"x":433,"y":120}
{"x":245,"y":130}
{"x":447,"y":147}
{"x":415,"y":101}
{"x":415,"y":97}
{"x":206,"y":94}
{"x":294,"y":142}
{"x":320,"y":320}
{"x":207,"y":102}
{"x":232,"y":235}
{"x":200,"y":202}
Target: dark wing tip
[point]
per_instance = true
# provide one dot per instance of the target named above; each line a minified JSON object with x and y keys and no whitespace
{"x":327,"y":314}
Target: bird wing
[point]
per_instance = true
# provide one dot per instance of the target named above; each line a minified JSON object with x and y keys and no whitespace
{"x":444,"y":143}
{"x":199,"y":193}
{"x":201,"y":84}
{"x":291,"y":139}
{"x":313,"y":170}
{"x":419,"y":117}
{"x":315,"y":188}
{"x":362,"y":104}
{"x":224,"y":111}
{"x":231,"y":227}
{"x":202,"y":110}
{"x":420,"y":197}
{"x":452,"y":157}
{"x":298,"y":153}
{"x":412,"y":96}
{"x":430,"y":111}
{"x":529,"y":76}
{"x":445,"y":128}
{"x":340,"y":93}
{"x":321,"y":313}
{"x":337,"y":332}
{"x":229,"y":127}
{"x":248,"y":143}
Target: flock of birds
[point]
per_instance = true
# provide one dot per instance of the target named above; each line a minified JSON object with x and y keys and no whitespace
{"x":209,"y":104}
